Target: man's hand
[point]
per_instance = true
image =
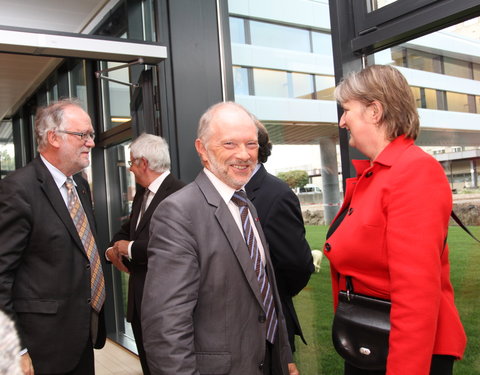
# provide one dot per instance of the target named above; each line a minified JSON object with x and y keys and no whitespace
{"x":26,"y":364}
{"x":292,"y":369}
{"x":116,"y":259}
{"x":122,"y":247}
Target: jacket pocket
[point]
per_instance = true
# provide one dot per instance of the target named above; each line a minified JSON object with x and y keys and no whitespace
{"x":39,"y":306}
{"x":214,"y":363}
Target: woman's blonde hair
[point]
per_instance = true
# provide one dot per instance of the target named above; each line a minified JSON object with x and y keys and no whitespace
{"x":385,"y":84}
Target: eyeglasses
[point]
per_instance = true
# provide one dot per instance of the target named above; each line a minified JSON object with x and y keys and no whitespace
{"x":83,"y":136}
{"x":131,"y":162}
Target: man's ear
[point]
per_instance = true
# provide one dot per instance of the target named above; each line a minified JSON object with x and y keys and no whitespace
{"x":53,"y":139}
{"x":201,"y":150}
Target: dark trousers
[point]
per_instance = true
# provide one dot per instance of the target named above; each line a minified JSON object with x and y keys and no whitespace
{"x":86,"y":365}
{"x":137,"y":333}
{"x":441,"y":365}
{"x":267,"y":364}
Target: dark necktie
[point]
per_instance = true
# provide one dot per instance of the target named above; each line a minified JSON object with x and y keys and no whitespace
{"x":97,"y":282}
{"x":240,"y":199}
{"x":143,"y":208}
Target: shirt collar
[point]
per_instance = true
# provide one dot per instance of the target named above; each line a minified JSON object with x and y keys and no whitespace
{"x":387,"y":157}
{"x":155,"y":184}
{"x":57,"y":175}
{"x":225,"y":191}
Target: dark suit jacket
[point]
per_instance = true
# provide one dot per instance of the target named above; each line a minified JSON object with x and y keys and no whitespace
{"x":140,"y":235}
{"x":202,"y":310}
{"x":44,"y":271}
{"x":281,"y":218}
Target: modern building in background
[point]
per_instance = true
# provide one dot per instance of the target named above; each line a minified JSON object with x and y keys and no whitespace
{"x":155,"y":66}
{"x":283,"y":72}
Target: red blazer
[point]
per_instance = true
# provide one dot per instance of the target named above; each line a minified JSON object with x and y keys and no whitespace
{"x":392,"y":243}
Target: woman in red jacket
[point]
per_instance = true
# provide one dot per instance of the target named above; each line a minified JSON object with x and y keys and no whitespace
{"x":390,"y":234}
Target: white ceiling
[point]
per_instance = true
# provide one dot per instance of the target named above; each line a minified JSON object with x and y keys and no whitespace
{"x":20,"y":75}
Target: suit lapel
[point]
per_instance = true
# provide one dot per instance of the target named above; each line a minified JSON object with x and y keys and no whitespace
{"x":136,"y":208}
{"x":255,"y":182}
{"x":232,"y":233}
{"x":47,"y":184}
{"x":162,"y":193}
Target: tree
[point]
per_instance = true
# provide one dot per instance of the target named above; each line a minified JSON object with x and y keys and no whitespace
{"x":295,"y":178}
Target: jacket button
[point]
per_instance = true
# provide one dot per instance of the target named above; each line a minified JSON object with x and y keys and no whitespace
{"x":260,"y":365}
{"x":328,"y":247}
{"x":369,"y":173}
{"x":89,"y":300}
{"x":350,"y":211}
{"x":262,"y":318}
{"x":87,"y":266}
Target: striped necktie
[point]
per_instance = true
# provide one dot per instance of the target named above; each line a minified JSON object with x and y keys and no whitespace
{"x":97,"y":282}
{"x":240,"y":199}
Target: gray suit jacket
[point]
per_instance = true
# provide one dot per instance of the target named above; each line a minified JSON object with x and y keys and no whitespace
{"x":202,"y":311}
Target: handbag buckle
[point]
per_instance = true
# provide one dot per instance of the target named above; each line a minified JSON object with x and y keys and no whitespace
{"x":364,"y":351}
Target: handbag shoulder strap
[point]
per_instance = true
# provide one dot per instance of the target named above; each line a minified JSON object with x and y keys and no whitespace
{"x":459,"y":222}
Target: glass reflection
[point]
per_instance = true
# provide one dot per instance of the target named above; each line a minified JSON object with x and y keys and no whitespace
{"x":278,"y":36}
{"x":121,"y":190}
{"x":377,"y":4}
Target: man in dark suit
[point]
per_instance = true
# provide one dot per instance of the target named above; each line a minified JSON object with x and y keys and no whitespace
{"x":281,"y":218}
{"x":210,"y":304}
{"x":150,"y":163}
{"x":51,"y":278}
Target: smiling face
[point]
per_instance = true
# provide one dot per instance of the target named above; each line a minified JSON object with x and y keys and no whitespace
{"x":73,"y":152}
{"x":230,"y":148}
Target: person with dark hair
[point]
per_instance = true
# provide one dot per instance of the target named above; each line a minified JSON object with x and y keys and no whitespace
{"x":281,"y":218}
{"x":51,"y":276}
{"x":150,"y":163}
{"x":389,"y":238}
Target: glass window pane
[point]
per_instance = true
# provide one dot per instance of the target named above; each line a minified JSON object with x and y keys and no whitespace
{"x":398,"y":56}
{"x":324,"y":86}
{"x":78,"y":88}
{"x":457,"y":102}
{"x":417,"y":96}
{"x":277,"y":36}
{"x":322,"y":43}
{"x":53,"y":93}
{"x":240,"y":80}
{"x":237,"y":30}
{"x":270,"y":83}
{"x":302,"y":85}
{"x":431,"y":99}
{"x":423,"y":61}
{"x":476,"y":72}
{"x":116,"y":97}
{"x":377,"y":4}
{"x":7,"y":149}
{"x":457,"y":68}
{"x":121,"y":190}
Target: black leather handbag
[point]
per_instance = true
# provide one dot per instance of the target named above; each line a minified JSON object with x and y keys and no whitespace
{"x":361,"y":328}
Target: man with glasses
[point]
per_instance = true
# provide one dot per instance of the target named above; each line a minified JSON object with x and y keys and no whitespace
{"x":51,"y":277}
{"x":150,"y":163}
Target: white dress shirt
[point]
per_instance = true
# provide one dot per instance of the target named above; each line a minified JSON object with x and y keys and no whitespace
{"x":226,"y":192}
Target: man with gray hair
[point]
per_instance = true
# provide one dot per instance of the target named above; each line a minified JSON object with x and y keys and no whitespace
{"x":150,"y":163}
{"x":211,"y":304}
{"x":51,"y":277}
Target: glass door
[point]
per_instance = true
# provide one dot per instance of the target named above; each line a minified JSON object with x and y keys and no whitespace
{"x":119,"y":182}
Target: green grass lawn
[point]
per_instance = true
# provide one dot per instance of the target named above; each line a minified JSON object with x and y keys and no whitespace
{"x":315,"y":311}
